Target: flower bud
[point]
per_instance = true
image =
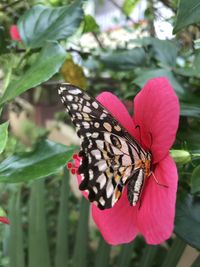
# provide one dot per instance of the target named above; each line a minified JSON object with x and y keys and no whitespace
{"x":180,"y":156}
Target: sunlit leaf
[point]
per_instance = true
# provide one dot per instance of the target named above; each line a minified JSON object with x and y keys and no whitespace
{"x":3,"y":135}
{"x":48,"y":62}
{"x":41,"y":23}
{"x":129,"y":5}
{"x":90,"y":24}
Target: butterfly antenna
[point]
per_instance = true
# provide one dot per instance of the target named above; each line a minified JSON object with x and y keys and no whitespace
{"x":138,"y":126}
{"x":151,"y":137}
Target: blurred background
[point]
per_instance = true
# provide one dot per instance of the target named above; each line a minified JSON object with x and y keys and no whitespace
{"x":101,"y":45}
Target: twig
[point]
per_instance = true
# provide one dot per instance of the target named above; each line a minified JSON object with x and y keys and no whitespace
{"x":120,"y":8}
{"x":97,"y":40}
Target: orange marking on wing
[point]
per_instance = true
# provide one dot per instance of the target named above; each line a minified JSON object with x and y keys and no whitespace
{"x":117,"y":194}
{"x":117,"y":178}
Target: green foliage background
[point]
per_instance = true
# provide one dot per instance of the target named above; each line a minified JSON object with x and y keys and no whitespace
{"x":49,"y":225}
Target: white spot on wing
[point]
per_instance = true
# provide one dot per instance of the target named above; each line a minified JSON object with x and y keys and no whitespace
{"x":103,"y":115}
{"x":95,"y":189}
{"x":95,"y":135}
{"x":91,"y":174}
{"x":75,"y":106}
{"x":101,"y":180}
{"x":109,"y":189}
{"x":96,"y":125}
{"x":86,"y":109}
{"x":96,"y":153}
{"x":100,"y":144}
{"x":102,"y":165}
{"x":86,"y":125}
{"x":102,"y":201}
{"x":95,"y":105}
{"x":69,"y":97}
{"x":74,"y":91}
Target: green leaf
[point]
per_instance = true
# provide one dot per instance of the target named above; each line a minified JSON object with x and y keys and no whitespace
{"x":81,"y":243}
{"x":129,"y":5}
{"x":103,"y":253}
{"x":124,"y":258}
{"x":46,"y":159}
{"x":3,"y":136}
{"x":38,"y":250}
{"x":4,"y":41}
{"x":174,"y":253}
{"x":62,"y":253}
{"x":16,"y":242}
{"x":48,"y":62}
{"x":164,"y":51}
{"x":145,"y":75}
{"x":90,"y":24}
{"x":124,"y":60}
{"x":148,"y":256}
{"x":195,"y":180}
{"x":187,"y":222}
{"x":188,"y":13}
{"x":40,"y":23}
{"x":190,"y":110}
{"x":191,"y":71}
{"x":196,"y":263}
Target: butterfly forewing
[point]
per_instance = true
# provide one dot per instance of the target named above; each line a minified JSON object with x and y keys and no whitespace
{"x":108,"y":151}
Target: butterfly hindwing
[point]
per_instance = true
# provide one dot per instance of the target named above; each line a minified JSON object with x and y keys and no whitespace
{"x":108,"y":151}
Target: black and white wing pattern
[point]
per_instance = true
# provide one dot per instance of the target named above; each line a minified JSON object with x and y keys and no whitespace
{"x":111,"y":158}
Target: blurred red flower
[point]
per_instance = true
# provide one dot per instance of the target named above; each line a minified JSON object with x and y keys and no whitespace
{"x":14,"y":33}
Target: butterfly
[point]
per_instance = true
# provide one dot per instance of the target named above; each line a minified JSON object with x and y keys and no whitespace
{"x":111,"y":158}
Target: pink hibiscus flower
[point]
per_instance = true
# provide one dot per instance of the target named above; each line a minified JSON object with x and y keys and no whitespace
{"x":14,"y":33}
{"x":156,"y":111}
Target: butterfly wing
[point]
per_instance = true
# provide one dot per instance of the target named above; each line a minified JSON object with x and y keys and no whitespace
{"x":108,"y":151}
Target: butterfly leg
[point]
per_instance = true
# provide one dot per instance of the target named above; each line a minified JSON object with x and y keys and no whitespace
{"x":158,"y":183}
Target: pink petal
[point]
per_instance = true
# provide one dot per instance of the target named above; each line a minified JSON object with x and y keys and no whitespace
{"x":156,"y":111}
{"x":118,"y":110}
{"x":118,"y":224}
{"x":156,"y":215}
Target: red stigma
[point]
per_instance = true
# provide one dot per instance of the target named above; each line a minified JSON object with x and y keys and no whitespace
{"x":73,"y":171}
{"x":75,"y":156}
{"x":69,"y":165}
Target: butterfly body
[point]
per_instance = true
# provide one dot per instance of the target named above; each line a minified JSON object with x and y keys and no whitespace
{"x":110,"y":157}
